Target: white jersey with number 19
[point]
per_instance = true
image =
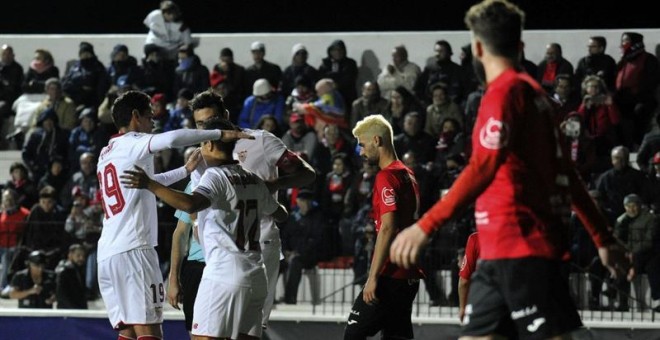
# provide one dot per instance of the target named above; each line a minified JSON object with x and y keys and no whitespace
{"x":230,"y":226}
{"x":130,"y":215}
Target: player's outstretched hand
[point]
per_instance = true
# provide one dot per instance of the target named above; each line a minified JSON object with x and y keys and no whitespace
{"x":135,"y":179}
{"x":407,"y":245}
{"x":232,"y":135}
{"x":616,"y":259}
{"x":193,"y":160}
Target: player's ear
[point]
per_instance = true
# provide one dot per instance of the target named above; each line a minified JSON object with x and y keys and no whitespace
{"x":135,"y":114}
{"x":378,"y":141}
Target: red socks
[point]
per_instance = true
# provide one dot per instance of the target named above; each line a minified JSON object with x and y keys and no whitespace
{"x":148,"y":337}
{"x":123,"y":337}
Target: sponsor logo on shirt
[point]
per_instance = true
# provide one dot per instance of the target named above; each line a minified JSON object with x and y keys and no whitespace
{"x":387,"y":196}
{"x":494,"y":135}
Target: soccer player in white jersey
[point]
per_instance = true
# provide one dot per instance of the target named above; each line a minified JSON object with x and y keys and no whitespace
{"x":268,"y":158}
{"x":229,"y":202}
{"x":129,"y":276}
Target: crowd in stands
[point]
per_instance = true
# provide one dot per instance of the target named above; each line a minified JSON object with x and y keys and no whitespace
{"x":51,"y":216}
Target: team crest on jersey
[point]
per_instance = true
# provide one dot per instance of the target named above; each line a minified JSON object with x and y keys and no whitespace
{"x":242,"y":156}
{"x":494,"y":135}
{"x":387,"y":196}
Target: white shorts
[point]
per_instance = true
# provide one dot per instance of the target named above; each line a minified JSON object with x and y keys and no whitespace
{"x":131,"y":285}
{"x":223,"y":310}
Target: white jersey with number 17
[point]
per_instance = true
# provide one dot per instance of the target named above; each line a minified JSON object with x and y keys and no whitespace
{"x":230,"y":226}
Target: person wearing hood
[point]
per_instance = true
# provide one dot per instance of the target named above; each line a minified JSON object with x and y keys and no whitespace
{"x":342,"y":69}
{"x":87,"y":137}
{"x":86,"y":81}
{"x":638,"y":75}
{"x":56,"y":177}
{"x":47,"y":141}
{"x":298,"y":67}
{"x":123,"y":69}
{"x":190,"y":73}
{"x":42,"y":68}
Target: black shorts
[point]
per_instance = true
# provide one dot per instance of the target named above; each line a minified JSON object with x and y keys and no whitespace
{"x":524,"y":298}
{"x":391,"y":315}
{"x":191,"y":275}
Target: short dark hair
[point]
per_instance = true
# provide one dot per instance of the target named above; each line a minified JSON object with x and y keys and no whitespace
{"x":221,"y":124}
{"x":209,"y":99}
{"x":75,"y":247}
{"x":123,"y":106}
{"x":48,"y":192}
{"x":498,"y":24}
{"x":600,"y":40}
{"x":18,"y":165}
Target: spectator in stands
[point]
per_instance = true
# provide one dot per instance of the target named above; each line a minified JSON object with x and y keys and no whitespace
{"x":400,"y":72}
{"x":298,"y":67}
{"x":597,"y":63}
{"x":70,"y":288}
{"x":359,"y":193}
{"x":158,"y":72}
{"x":451,"y":141}
{"x":56,"y":177}
{"x":45,"y":228}
{"x":124,"y":69}
{"x":190,"y":73}
{"x":583,"y":149}
{"x":333,"y":142}
{"x":181,"y":115}
{"x":565,"y":96}
{"x":442,"y":70}
{"x":42,"y":68}
{"x":85,"y":179}
{"x":334,"y":194}
{"x":262,"y":68}
{"x":620,"y":181}
{"x":650,"y":145}
{"x":553,"y":64}
{"x":529,"y":66}
{"x":414,"y":138}
{"x":470,"y":80}
{"x":402,"y":101}
{"x":441,"y":108}
{"x":371,"y":102}
{"x":472,"y":104}
{"x":637,"y":228}
{"x":638,"y":75}
{"x":270,"y":124}
{"x":599,"y":112}
{"x":87,"y":137}
{"x":87,"y":81}
{"x":11,"y":78}
{"x":299,"y":138}
{"x":12,"y":223}
{"x":426,"y":178}
{"x":302,"y":93}
{"x":64,"y":107}
{"x":167,"y":30}
{"x":34,"y":287}
{"x":232,"y":77}
{"x":47,"y":141}
{"x":264,"y":100}
{"x":329,"y":108}
{"x":22,"y":185}
{"x":342,"y":70}
{"x":105,"y":109}
{"x":305,"y":243}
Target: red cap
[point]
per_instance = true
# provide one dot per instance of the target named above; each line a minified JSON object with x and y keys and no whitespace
{"x":295,"y":117}
{"x":158,"y":97}
{"x":217,"y":78}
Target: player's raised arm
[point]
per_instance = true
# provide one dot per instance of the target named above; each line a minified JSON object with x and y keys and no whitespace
{"x":138,"y":179}
{"x":185,"y":137}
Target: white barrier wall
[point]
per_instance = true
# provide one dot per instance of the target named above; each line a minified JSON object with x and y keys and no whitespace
{"x":372,"y":50}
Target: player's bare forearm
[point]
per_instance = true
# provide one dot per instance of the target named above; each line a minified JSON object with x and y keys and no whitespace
{"x":138,"y":179}
{"x":463,"y":289}
{"x":180,"y":239}
{"x":383,"y":240}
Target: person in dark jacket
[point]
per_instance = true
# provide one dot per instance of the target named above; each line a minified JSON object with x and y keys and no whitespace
{"x":41,"y":69}
{"x":342,"y":69}
{"x":11,"y":79}
{"x":86,"y":81}
{"x":124,"y":69}
{"x":47,"y":141}
{"x":70,"y":282}
{"x":34,"y":286}
{"x":190,"y":73}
